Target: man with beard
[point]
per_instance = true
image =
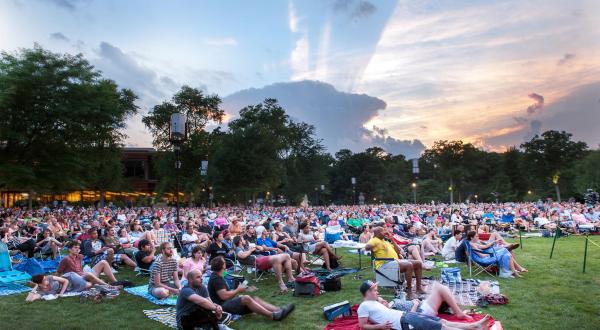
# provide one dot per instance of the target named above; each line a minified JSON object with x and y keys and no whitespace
{"x":164,"y":279}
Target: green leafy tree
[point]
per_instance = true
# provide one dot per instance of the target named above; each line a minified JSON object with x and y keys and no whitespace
{"x":56,"y":114}
{"x":199,"y":110}
{"x":550,"y":158}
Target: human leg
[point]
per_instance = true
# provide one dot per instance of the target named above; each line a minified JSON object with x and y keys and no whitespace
{"x":104,"y":267}
{"x":160,"y":293}
{"x":441,"y":294}
{"x":92,"y":278}
{"x":418,"y":271}
{"x":254,"y":306}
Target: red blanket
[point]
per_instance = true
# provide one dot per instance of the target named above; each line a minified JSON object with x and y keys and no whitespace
{"x":351,"y":322}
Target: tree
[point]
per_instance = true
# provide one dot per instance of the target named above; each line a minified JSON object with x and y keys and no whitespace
{"x":199,"y":110}
{"x":56,"y":112}
{"x":550,"y":158}
{"x":588,"y":173}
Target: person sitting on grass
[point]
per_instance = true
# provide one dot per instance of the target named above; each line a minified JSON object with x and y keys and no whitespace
{"x":194,"y":307}
{"x":271,"y":247}
{"x":195,"y":262}
{"x":73,"y":263}
{"x":279,"y":262}
{"x":375,"y":313}
{"x":145,"y":255}
{"x":240,"y":304}
{"x":49,"y":244}
{"x":431,"y":245}
{"x":56,"y":285}
{"x":449,"y":249}
{"x":164,"y":276}
{"x":98,"y":251}
{"x":383,"y":246}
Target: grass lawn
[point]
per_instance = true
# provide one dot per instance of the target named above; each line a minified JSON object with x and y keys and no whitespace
{"x":555,"y":294}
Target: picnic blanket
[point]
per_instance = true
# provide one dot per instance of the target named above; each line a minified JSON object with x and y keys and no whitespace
{"x":7,"y":289}
{"x":166,"y":316}
{"x":142,"y":291}
{"x":351,"y":322}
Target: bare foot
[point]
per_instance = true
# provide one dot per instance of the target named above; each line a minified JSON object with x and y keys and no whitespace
{"x":483,"y":323}
{"x":524,"y":270}
{"x":464,"y":316}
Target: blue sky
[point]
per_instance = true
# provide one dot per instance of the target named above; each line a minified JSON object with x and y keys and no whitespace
{"x":429,"y":70}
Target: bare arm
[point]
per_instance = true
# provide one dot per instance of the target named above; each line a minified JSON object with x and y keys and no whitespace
{"x":363,"y":323}
{"x":225,"y":294}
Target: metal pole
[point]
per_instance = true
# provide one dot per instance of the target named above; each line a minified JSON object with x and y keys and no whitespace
{"x":415,"y":194}
{"x":556,"y":233}
{"x":353,"y":194}
{"x":520,"y":239}
{"x":585,"y":252}
{"x":177,"y":166}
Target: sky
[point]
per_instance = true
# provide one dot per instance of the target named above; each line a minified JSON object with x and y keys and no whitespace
{"x":395,"y":74}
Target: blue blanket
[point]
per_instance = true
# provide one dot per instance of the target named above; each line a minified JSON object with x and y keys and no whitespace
{"x":12,"y":288}
{"x":142,"y":291}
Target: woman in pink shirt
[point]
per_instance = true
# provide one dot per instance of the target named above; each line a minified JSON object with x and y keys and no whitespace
{"x":196,"y":261}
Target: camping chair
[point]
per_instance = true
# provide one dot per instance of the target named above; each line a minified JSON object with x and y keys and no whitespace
{"x":7,"y":273}
{"x":386,"y":281}
{"x":480,"y":267}
{"x":248,"y":268}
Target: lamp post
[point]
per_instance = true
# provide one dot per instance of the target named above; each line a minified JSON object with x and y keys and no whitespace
{"x":414,"y":187}
{"x":316,"y":196}
{"x":322,"y":190}
{"x":555,"y":179}
{"x":476,"y":201}
{"x":177,"y":134}
{"x":353,"y":181}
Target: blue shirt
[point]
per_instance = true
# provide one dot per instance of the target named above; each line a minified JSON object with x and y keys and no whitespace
{"x":268,"y":242}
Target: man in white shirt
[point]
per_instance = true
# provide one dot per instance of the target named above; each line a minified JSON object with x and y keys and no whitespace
{"x":376,"y":310}
{"x":449,"y":249}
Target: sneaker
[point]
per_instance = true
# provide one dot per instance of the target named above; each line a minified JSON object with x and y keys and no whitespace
{"x":279,"y":315}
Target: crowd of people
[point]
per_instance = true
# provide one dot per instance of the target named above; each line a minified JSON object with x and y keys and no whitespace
{"x":177,"y":252}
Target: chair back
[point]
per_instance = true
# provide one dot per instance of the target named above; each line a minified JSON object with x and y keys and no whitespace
{"x":5,"y":263}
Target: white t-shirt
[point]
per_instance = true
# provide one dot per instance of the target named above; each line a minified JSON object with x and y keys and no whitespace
{"x":188,"y":238}
{"x":449,"y":249}
{"x":380,"y":314}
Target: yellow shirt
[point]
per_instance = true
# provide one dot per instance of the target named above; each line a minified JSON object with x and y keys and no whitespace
{"x":382,"y":249}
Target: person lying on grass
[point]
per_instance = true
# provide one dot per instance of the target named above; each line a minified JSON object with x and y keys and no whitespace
{"x":438,"y":296}
{"x":375,"y":313}
{"x":164,"y":277}
{"x":56,"y":285}
{"x":242,"y":304}
{"x":194,"y":307}
{"x":383,"y":246}
{"x":73,"y":263}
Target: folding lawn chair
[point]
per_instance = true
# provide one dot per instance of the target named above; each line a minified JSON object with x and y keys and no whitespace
{"x":7,"y":273}
{"x":474,"y":259}
{"x":396,"y":281}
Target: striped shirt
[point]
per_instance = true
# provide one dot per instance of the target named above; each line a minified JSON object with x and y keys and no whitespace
{"x":165,"y":267}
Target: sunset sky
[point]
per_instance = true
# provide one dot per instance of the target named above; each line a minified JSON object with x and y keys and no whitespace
{"x":397,"y":74}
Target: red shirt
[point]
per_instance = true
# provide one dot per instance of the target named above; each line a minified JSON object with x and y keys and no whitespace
{"x":71,"y":264}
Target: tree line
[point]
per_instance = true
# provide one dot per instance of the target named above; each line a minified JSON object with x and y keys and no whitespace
{"x":61,"y":129}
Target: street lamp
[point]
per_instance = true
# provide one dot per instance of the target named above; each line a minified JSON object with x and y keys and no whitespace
{"x":476,"y":196}
{"x":414,"y":186}
{"x":353,"y":181}
{"x":177,"y":135}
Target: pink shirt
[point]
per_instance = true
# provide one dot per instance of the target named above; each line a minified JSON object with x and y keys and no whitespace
{"x":189,"y":264}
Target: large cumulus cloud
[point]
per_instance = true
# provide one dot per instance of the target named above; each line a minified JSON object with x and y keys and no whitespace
{"x":339,"y":117}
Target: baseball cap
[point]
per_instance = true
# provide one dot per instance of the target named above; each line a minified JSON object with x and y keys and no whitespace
{"x":366,"y":286}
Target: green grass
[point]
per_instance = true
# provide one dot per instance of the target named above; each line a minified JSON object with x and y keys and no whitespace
{"x":555,"y":294}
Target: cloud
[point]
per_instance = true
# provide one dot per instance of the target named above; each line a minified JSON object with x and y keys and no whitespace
{"x":566,"y":58}
{"x":299,"y":58}
{"x":66,"y":4}
{"x":355,"y":8}
{"x":229,"y":41}
{"x":538,"y":105}
{"x":292,"y":17}
{"x":535,"y":128}
{"x":339,"y":117}
{"x":59,"y":36}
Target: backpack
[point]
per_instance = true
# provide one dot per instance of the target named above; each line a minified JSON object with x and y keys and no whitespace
{"x":333,"y":263}
{"x":332,"y":283}
{"x":307,"y":285}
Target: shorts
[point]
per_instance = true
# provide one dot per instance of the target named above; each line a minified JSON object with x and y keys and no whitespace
{"x":234,"y":306}
{"x":425,"y":309}
{"x":416,"y":321}
{"x":311,"y":247}
{"x":263,"y":264}
{"x":76,"y":282}
{"x":116,"y":258}
{"x":152,"y":287}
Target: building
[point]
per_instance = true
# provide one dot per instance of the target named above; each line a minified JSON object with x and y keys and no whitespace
{"x":139,"y":170}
